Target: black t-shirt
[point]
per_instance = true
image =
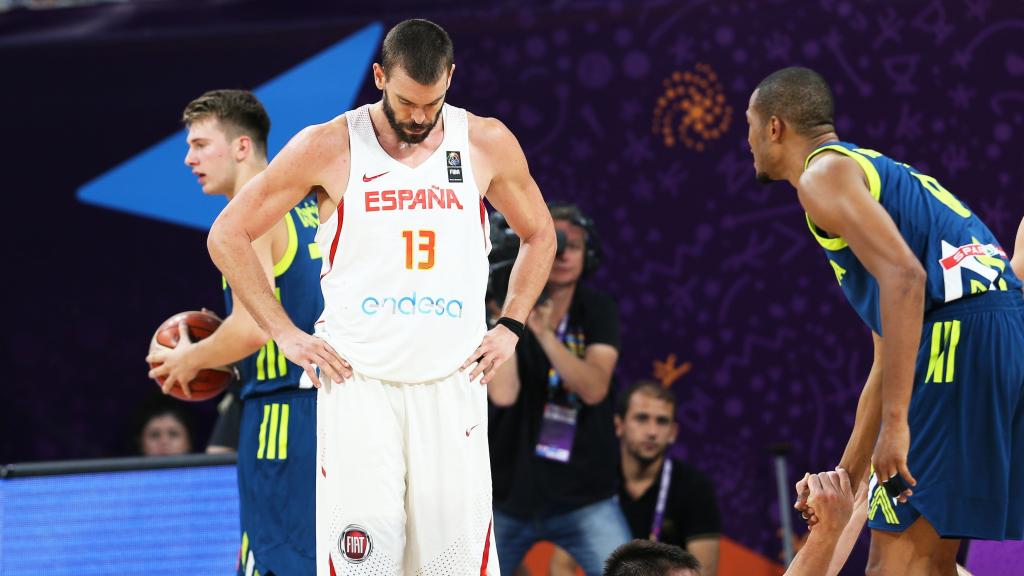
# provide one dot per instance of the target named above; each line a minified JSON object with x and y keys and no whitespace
{"x":691,"y":509}
{"x":526,"y":484}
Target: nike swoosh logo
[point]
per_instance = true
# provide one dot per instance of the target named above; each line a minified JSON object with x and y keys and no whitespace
{"x":369,"y":178}
{"x":469,"y":430}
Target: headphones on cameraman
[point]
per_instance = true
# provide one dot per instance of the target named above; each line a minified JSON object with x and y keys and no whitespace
{"x":592,"y":245}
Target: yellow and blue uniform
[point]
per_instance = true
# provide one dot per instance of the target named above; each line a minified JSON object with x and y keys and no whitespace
{"x":277,"y":440}
{"x":966,"y":414}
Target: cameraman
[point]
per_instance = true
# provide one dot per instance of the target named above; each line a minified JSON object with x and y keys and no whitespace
{"x":553,"y":444}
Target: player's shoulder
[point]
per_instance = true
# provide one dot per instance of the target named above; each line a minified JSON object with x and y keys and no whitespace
{"x":829,"y":164}
{"x":827,"y":173}
{"x":488,"y":133}
{"x":330,"y":138}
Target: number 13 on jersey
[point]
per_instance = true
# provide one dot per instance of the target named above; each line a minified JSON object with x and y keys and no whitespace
{"x":425,"y":249}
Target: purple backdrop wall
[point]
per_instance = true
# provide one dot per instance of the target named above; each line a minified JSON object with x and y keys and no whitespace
{"x":718,"y":279}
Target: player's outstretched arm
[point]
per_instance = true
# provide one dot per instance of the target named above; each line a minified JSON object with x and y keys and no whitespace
{"x":835,"y":194}
{"x":312,"y":159}
{"x":514,"y":193}
{"x":1017,"y":263}
{"x":857,"y":456}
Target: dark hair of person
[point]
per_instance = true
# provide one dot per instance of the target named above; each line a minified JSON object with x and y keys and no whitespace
{"x":154,"y":407}
{"x":649,"y":387}
{"x":419,"y":47}
{"x":648,"y":558}
{"x":800,"y":97}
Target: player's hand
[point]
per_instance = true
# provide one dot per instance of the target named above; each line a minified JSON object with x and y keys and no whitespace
{"x":539,"y":321}
{"x":831,"y":496}
{"x":803,"y":491}
{"x":498,"y":345}
{"x":890,"y":456}
{"x":174,"y":363}
{"x":307,"y":350}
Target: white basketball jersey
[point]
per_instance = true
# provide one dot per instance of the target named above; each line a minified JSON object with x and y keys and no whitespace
{"x":405,"y":258}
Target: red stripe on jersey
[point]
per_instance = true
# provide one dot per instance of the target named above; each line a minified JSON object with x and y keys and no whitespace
{"x":487,"y":550}
{"x":337,"y":235}
{"x":483,"y":219}
{"x":330,"y":564}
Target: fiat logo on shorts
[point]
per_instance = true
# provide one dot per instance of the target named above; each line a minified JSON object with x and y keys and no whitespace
{"x":355,"y":544}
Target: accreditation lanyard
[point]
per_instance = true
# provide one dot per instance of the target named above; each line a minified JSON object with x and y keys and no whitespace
{"x":659,"y":509}
{"x":554,"y":379}
{"x":557,"y":432}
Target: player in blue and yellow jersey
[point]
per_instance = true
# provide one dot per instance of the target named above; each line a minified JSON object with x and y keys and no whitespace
{"x":941,"y":417}
{"x":227,"y":147}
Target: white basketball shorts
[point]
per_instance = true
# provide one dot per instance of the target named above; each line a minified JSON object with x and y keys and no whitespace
{"x":404,"y":480}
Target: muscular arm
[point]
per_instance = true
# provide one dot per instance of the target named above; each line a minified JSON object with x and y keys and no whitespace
{"x":312,"y":158}
{"x":857,"y":457}
{"x":514,"y":193}
{"x":239,"y":336}
{"x":589,"y":377}
{"x":836,"y":196}
{"x":848,"y":538}
{"x":1017,"y":263}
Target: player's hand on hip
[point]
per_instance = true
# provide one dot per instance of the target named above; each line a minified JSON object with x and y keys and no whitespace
{"x":831,"y":496}
{"x":311,"y":353}
{"x":498,"y":345}
{"x":803,"y":492}
{"x":890,"y":456}
{"x":174,"y":363}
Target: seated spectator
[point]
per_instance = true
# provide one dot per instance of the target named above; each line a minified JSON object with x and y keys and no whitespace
{"x":663,"y":499}
{"x":165,"y":429}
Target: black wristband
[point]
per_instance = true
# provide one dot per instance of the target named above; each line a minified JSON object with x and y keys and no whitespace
{"x":515,"y":326}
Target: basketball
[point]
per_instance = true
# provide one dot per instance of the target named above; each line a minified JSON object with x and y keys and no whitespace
{"x":208,"y":382}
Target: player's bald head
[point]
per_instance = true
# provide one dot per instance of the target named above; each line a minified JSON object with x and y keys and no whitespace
{"x":800,"y":97}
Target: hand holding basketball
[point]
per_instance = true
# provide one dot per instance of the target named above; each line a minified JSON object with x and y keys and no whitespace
{"x":172,"y":364}
{"x":168,"y":357}
{"x":306,"y":351}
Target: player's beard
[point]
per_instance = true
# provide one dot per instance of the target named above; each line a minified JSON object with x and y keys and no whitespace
{"x":400,"y":129}
{"x":763,"y":178}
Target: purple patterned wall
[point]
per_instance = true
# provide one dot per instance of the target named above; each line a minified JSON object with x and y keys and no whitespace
{"x":720,"y":284}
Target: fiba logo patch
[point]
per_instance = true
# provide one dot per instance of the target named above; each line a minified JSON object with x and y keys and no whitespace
{"x":454,"y":161}
{"x":355,"y":544}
